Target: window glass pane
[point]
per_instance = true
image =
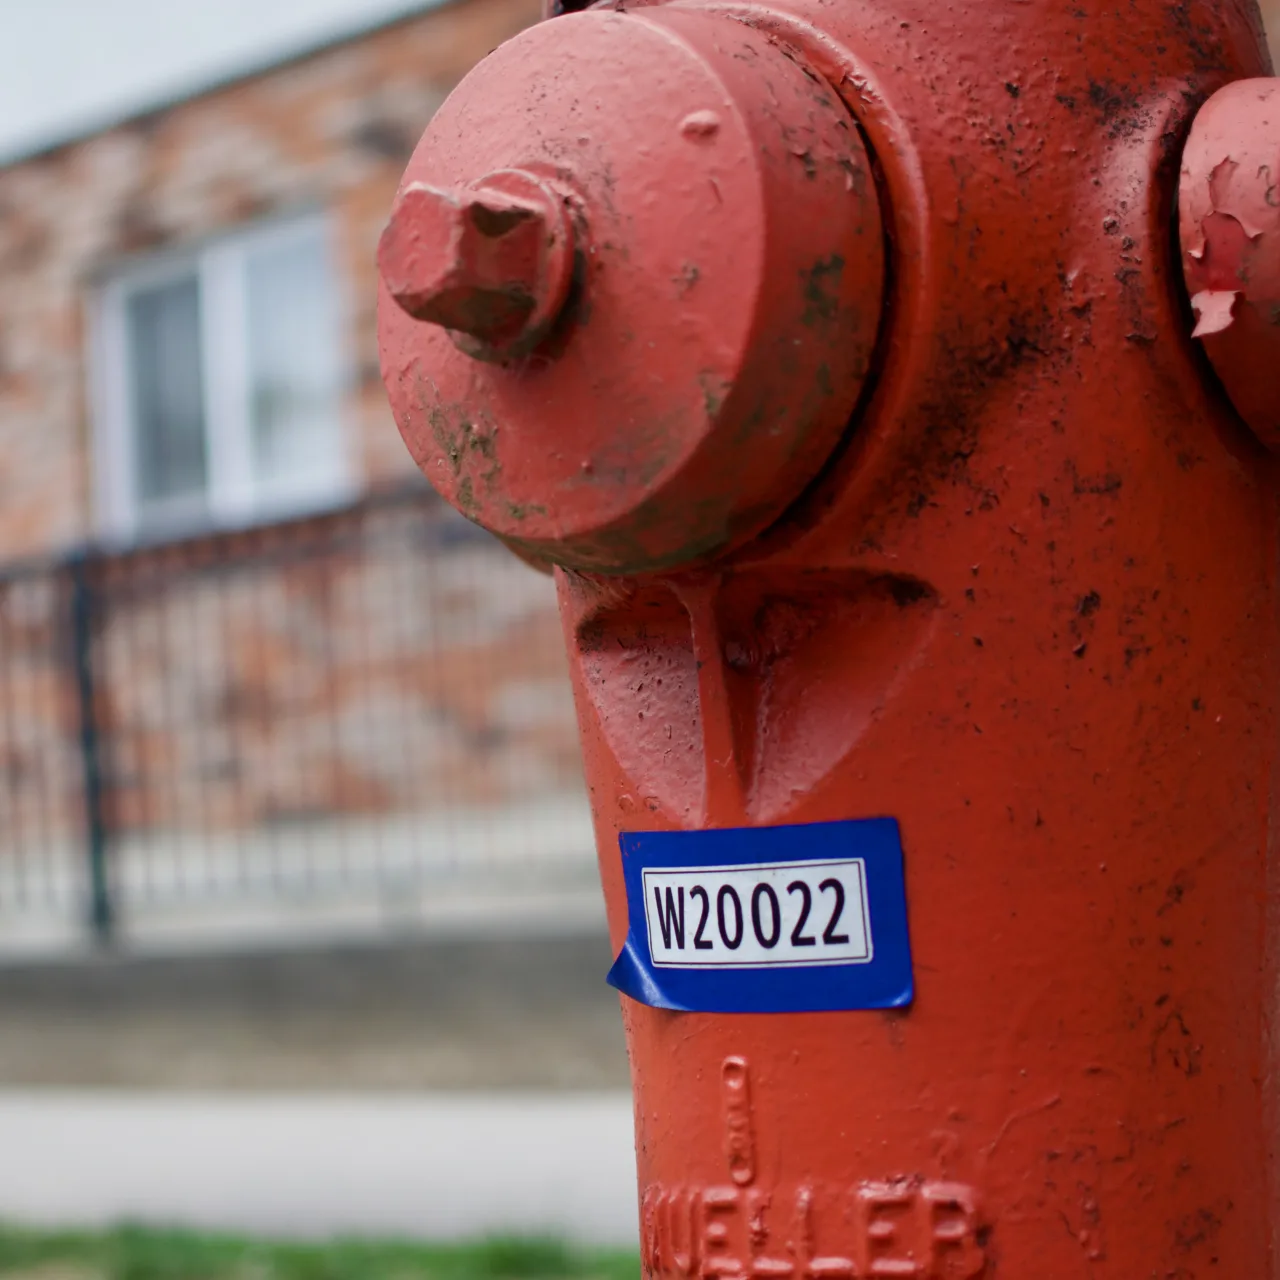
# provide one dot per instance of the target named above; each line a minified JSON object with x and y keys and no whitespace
{"x":168,"y":393}
{"x":293,"y":364}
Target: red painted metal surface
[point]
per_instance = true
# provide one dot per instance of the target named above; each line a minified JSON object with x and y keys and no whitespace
{"x":1229,"y":220}
{"x":729,"y":273}
{"x":1028,"y":607}
{"x":492,"y":263}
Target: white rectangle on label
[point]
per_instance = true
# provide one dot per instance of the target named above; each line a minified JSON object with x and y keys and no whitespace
{"x":759,"y":915}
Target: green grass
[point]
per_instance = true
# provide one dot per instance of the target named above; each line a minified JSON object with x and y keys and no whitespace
{"x":132,"y":1253}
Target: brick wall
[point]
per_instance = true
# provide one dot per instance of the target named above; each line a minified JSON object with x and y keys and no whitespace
{"x":373,"y":663}
{"x":377,"y":690}
{"x":331,"y":130}
{"x":381,"y":684}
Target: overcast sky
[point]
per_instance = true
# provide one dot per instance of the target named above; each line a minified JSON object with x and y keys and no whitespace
{"x":70,"y":66}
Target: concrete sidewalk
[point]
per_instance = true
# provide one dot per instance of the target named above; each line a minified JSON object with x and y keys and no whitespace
{"x":495,"y":1015}
{"x":439,"y":1166}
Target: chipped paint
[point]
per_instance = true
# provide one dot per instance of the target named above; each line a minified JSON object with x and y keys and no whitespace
{"x":1229,"y":224}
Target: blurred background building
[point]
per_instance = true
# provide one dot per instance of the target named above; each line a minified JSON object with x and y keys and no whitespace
{"x":252,"y":674}
{"x":290,"y":793}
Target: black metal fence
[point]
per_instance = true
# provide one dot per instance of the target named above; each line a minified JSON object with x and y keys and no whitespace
{"x":372,"y":702}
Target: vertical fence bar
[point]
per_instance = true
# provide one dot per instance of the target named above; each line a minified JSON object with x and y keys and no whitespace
{"x":101,"y":906}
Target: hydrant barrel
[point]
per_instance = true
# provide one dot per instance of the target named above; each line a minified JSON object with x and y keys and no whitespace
{"x":917,"y":569}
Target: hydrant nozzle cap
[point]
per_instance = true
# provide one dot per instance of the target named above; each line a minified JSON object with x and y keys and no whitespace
{"x":630,"y":288}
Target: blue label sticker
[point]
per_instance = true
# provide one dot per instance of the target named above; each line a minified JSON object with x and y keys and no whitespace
{"x":766,"y":919}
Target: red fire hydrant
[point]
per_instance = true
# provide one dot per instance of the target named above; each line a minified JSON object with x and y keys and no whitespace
{"x":918,"y":571}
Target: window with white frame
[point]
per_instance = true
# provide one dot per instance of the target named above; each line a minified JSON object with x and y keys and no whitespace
{"x":219,"y":378}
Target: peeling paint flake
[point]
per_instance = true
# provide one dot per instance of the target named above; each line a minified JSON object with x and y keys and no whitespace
{"x":1214,"y":310}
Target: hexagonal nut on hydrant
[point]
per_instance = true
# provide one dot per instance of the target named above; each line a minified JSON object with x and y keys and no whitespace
{"x":492,"y":263}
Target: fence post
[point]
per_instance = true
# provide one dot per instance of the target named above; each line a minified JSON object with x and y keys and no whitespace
{"x":101,"y":907}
